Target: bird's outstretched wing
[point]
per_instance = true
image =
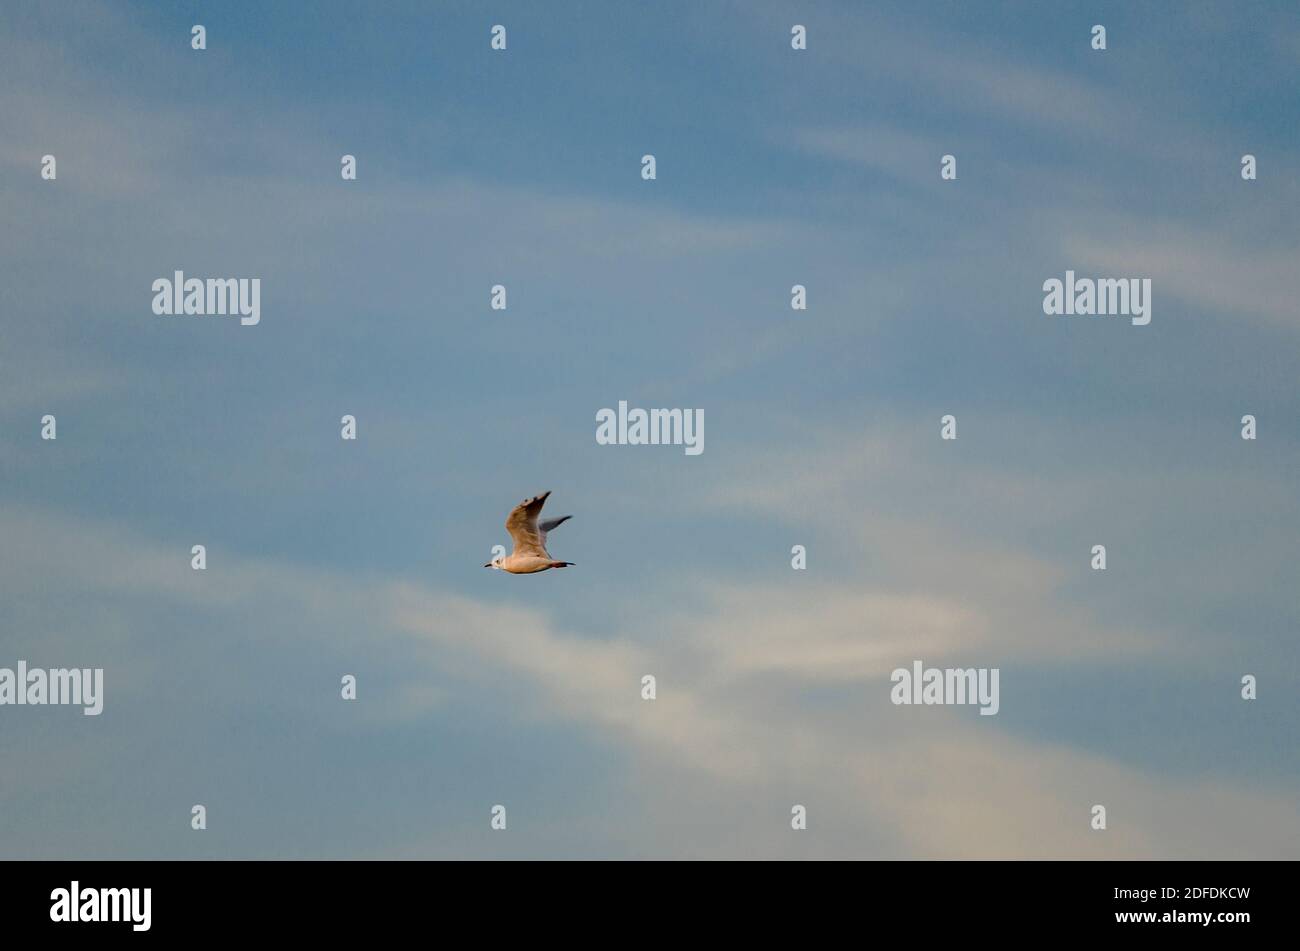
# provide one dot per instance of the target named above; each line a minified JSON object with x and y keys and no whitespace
{"x":549,"y":525}
{"x":523,"y":528}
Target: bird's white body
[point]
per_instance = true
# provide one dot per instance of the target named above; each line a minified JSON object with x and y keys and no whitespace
{"x":530,"y":555}
{"x":524,"y":564}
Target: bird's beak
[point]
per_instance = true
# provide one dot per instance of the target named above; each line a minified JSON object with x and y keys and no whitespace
{"x":488,"y":565}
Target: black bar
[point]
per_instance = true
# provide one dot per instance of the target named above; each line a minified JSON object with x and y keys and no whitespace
{"x":976,"y":900}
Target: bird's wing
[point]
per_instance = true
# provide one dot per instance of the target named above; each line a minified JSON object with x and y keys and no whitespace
{"x":549,"y":525}
{"x":523,"y":528}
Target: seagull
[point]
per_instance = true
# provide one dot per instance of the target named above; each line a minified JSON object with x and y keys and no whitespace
{"x":530,"y":555}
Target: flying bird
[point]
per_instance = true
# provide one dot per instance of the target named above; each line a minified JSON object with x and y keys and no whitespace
{"x":530,"y":554}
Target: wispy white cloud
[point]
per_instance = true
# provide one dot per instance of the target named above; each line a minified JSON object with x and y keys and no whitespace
{"x":1202,"y":268}
{"x":734,"y":707}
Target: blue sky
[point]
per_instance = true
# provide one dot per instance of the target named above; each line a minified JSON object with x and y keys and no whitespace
{"x":775,"y":167}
